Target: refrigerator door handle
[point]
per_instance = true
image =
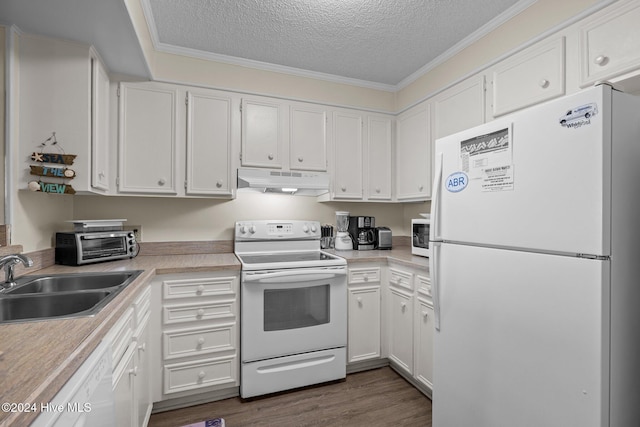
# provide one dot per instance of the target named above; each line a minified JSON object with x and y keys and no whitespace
{"x":434,"y":269}
{"x":434,"y":230}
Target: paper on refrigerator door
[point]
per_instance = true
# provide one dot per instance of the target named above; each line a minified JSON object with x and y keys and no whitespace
{"x":489,"y":158}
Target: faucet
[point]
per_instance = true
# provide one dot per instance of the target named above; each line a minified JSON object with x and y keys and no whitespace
{"x":9,"y":262}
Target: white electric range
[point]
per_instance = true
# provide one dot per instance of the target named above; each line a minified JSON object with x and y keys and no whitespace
{"x":293,"y":307}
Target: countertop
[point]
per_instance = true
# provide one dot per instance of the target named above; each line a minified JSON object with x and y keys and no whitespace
{"x":37,"y":358}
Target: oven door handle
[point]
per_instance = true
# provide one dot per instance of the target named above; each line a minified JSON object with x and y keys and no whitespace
{"x":294,"y":276}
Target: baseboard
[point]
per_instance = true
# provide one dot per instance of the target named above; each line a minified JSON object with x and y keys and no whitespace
{"x":198,"y":399}
{"x":366,"y":365}
{"x":427,"y":391}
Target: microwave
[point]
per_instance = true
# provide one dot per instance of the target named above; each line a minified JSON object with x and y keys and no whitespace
{"x":420,"y":236}
{"x":79,"y":248}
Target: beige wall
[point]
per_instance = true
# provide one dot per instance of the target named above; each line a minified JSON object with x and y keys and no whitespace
{"x":541,"y":16}
{"x":164,"y":219}
{"x":2,"y":128}
{"x":37,"y":216}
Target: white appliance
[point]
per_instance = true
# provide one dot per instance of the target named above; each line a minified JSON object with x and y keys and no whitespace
{"x":343,"y":239}
{"x":86,"y":399}
{"x":283,"y":182}
{"x":535,"y":267}
{"x":420,"y":235}
{"x":293,"y":307}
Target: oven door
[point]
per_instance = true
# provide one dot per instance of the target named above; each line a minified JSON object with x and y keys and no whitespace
{"x":293,"y":311}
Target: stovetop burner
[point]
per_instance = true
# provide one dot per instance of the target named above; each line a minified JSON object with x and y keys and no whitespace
{"x":287,"y":257}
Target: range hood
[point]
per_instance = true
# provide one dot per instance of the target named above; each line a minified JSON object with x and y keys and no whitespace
{"x":283,"y":182}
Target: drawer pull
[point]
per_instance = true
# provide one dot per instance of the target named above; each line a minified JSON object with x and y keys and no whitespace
{"x":200,"y":341}
{"x":601,"y":60}
{"x":200,"y":290}
{"x":365,"y":278}
{"x":200,"y":313}
{"x":133,"y":372}
{"x":142,"y":347}
{"x":201,"y":375}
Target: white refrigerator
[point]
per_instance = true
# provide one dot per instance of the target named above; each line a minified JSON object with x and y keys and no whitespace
{"x":535,"y":267}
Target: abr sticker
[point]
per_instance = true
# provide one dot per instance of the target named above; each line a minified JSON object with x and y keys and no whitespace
{"x":456,"y":182}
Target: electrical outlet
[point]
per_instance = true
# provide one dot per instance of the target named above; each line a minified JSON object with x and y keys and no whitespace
{"x":137,"y":231}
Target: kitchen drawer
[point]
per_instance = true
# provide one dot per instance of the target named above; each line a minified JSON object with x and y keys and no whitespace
{"x":364,"y":275}
{"x":189,"y":288}
{"x":193,"y":342}
{"x":186,"y":376}
{"x":172,"y":314}
{"x":610,"y":45}
{"x":402,"y":279}
{"x":529,"y":77}
{"x":423,"y":285}
{"x":142,"y":305}
{"x":121,"y":335}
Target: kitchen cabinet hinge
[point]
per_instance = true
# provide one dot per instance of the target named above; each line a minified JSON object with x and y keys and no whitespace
{"x":241,"y":107}
{"x":186,"y":100}
{"x":185,"y":184}
{"x":117,"y":180}
{"x":118,"y":92}
{"x":241,"y":155}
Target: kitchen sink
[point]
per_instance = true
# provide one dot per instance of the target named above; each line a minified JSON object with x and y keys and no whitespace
{"x":71,"y":282}
{"x":61,"y":296}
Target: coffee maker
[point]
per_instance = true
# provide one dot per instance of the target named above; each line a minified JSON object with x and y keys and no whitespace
{"x":362,"y":230}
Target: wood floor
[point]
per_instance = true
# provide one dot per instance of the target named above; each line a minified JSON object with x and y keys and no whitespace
{"x":379,"y":397}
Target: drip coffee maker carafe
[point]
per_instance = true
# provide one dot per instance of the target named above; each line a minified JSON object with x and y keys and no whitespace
{"x":343,"y":239}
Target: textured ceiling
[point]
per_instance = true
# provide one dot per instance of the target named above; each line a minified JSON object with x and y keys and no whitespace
{"x":379,"y":41}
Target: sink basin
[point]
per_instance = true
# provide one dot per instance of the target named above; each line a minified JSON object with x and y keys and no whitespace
{"x":71,"y":282}
{"x":56,"y":296}
{"x":47,"y":306}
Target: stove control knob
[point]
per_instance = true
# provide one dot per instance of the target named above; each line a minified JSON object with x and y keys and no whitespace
{"x":314,"y":228}
{"x":252,"y":229}
{"x":305,"y":228}
{"x":243,"y":229}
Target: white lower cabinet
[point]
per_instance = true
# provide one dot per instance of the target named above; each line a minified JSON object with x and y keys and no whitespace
{"x":401,"y":320}
{"x":363,"y":337}
{"x":196,"y":320}
{"x":131,"y":376}
{"x":410,"y":325}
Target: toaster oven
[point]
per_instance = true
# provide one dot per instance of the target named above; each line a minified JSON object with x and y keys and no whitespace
{"x":79,"y":248}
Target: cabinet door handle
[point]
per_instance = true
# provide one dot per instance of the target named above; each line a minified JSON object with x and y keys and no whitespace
{"x":600,"y":60}
{"x":343,"y":188}
{"x":378,"y":190}
{"x":300,"y":159}
{"x":425,"y":314}
{"x":270,"y":156}
{"x":133,"y":372}
{"x":162,"y":182}
{"x":403,"y":306}
{"x":420,"y":187}
{"x":544,"y":83}
{"x":359,"y":299}
{"x":219,"y":184}
{"x":142,"y":347}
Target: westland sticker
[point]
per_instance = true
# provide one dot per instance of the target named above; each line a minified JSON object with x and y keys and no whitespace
{"x":456,"y":182}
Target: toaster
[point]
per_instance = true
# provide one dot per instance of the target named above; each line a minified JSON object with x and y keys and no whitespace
{"x":383,"y":238}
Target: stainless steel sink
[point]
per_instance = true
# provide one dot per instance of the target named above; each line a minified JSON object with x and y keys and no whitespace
{"x":58,"y":296}
{"x":71,"y":282}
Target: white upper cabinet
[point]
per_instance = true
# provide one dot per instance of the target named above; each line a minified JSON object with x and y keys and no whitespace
{"x":459,"y":107}
{"x":307,"y":137}
{"x":529,"y":77}
{"x":378,"y":154}
{"x":347,"y":155}
{"x":413,"y":154}
{"x":610,"y":45}
{"x":100,"y":157}
{"x":262,"y":132}
{"x":210,"y":135}
{"x":148,"y":137}
{"x":63,"y":88}
{"x":284,"y":135}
